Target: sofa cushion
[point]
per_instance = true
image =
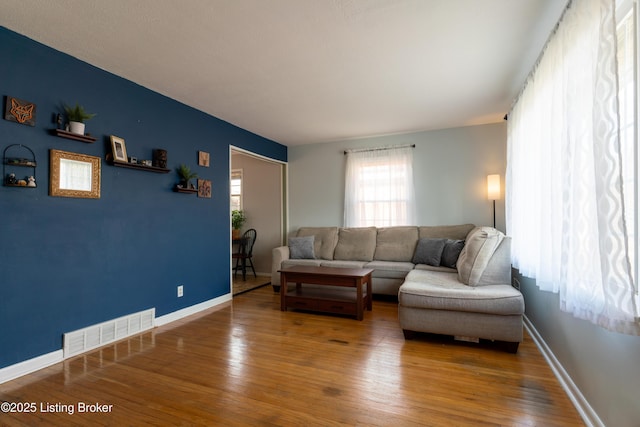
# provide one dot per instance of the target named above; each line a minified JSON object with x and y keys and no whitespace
{"x":295,"y":262}
{"x":455,"y":232}
{"x":429,"y":251}
{"x":301,"y":247}
{"x":324,"y":242}
{"x":343,"y":264}
{"x":443,"y":291}
{"x":396,"y":243}
{"x":435,"y":268}
{"x":451,"y":253}
{"x":498,"y":270}
{"x":479,"y":247}
{"x":356,"y":244}
{"x":389,"y":269}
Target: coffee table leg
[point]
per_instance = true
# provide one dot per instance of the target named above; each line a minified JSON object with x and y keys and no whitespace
{"x":359,"y":301}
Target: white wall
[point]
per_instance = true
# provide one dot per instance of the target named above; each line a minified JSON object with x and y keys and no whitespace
{"x":604,"y":366}
{"x":450,"y":172}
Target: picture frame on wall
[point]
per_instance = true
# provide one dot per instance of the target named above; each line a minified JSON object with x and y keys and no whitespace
{"x":204,"y":188}
{"x":203,"y":159}
{"x":118,"y":149}
{"x":74,"y":175}
{"x":20,"y":111}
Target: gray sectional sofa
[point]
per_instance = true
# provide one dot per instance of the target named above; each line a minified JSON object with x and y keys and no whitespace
{"x":451,"y":280}
{"x":389,"y":251}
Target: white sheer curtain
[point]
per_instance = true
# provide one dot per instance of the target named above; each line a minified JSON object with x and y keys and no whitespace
{"x":564,"y":201}
{"x":379,"y":188}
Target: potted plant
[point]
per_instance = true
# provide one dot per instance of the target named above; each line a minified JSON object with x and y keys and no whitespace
{"x":186,"y":175}
{"x":237,"y":220}
{"x":76,"y":117}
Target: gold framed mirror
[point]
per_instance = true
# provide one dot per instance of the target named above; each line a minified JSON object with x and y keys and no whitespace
{"x":74,"y":175}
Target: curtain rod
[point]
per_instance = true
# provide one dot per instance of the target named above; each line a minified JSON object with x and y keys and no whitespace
{"x":360,"y":150}
{"x":540,"y":55}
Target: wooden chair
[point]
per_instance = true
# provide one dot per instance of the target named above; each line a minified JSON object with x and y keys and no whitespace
{"x":245,"y":252}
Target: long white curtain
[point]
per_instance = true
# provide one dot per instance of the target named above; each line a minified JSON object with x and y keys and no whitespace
{"x":379,"y":188}
{"x":564,"y":199}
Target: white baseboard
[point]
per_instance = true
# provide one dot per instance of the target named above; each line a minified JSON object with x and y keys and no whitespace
{"x":188,"y":311}
{"x":589,"y":416}
{"x":19,"y":369}
{"x":26,"y":367}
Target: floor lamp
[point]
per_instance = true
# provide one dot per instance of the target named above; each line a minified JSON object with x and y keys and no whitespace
{"x":493,"y":192}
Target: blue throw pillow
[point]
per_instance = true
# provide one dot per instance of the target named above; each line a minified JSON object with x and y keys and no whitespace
{"x":301,"y":247}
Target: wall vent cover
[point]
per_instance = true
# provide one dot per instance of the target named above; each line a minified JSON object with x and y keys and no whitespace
{"x":94,"y":336}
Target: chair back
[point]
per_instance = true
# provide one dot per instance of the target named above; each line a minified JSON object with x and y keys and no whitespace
{"x":249,"y":238}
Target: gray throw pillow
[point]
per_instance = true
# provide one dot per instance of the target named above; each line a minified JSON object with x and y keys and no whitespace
{"x":429,"y":251}
{"x":451,"y":252}
{"x":301,"y":247}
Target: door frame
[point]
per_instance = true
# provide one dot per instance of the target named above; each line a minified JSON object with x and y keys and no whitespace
{"x":284,"y":198}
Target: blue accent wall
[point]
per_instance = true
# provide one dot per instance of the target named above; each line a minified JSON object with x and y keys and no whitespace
{"x":69,"y":263}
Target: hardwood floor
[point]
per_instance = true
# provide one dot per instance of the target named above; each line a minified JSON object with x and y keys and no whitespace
{"x":248,"y":363}
{"x":250,"y":283}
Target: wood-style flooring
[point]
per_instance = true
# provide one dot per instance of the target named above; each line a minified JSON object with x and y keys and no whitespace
{"x":250,"y":283}
{"x":247,"y":363}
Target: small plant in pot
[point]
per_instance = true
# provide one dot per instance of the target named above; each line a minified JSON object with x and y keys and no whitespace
{"x":186,"y":175}
{"x":76,"y":117}
{"x":237,"y":221}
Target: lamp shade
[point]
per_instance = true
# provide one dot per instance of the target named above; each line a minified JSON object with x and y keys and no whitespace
{"x":493,"y":187}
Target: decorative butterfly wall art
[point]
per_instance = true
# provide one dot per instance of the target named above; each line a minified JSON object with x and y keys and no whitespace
{"x":20,"y":111}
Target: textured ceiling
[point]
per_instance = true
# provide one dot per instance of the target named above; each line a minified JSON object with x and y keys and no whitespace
{"x":307,"y":71}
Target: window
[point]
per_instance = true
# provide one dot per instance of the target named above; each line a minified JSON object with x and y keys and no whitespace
{"x":236,"y":189}
{"x":571,"y":200}
{"x":379,"y":188}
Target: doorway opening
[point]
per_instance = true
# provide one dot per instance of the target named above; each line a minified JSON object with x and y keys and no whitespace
{"x":258,"y":187}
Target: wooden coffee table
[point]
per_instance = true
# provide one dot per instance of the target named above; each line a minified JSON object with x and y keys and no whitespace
{"x":337,"y":297}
